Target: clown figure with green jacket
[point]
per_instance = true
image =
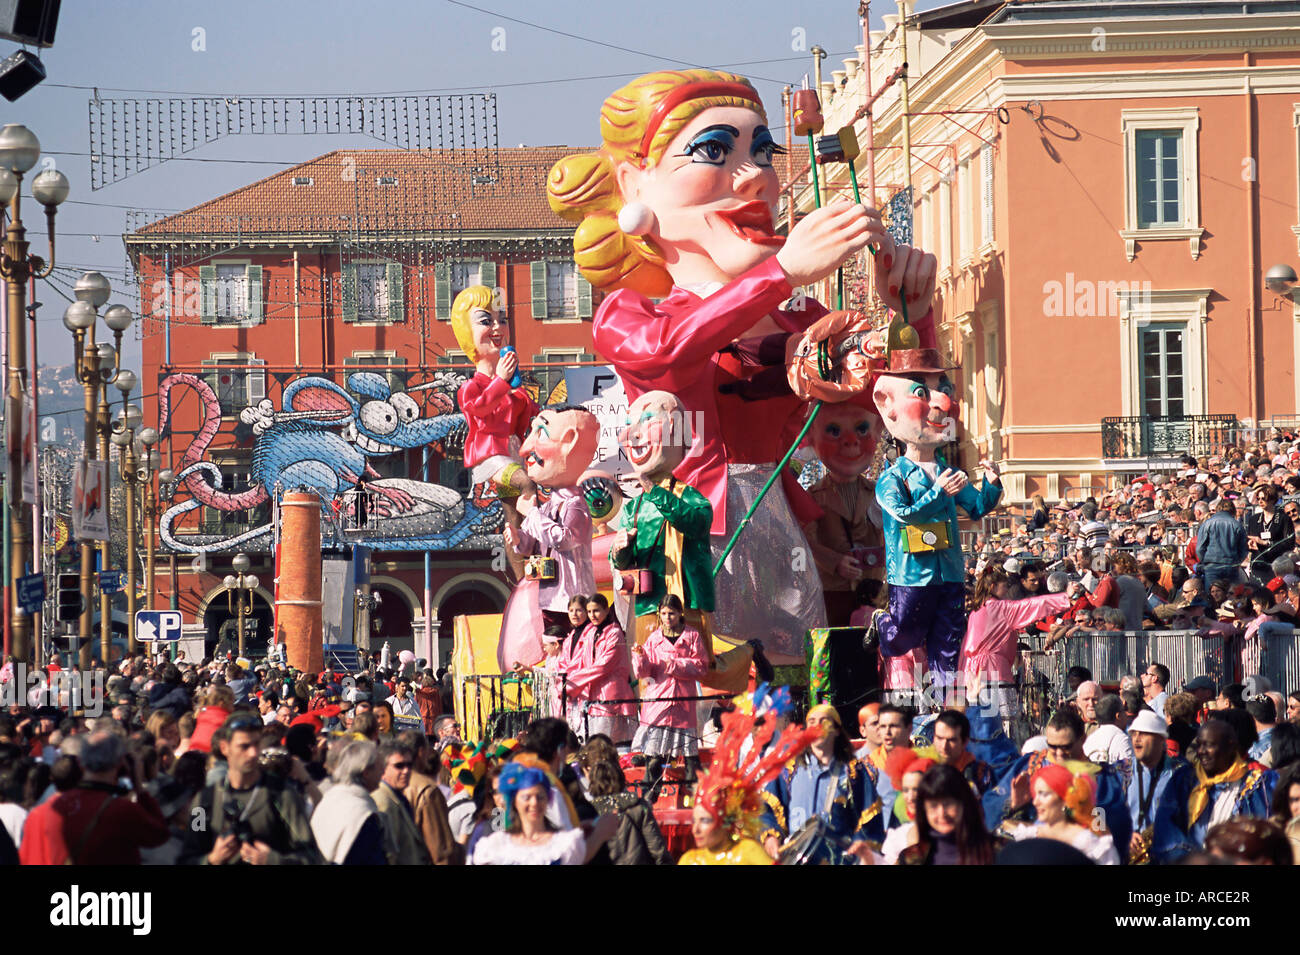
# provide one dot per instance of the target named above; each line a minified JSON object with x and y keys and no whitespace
{"x":665,"y":529}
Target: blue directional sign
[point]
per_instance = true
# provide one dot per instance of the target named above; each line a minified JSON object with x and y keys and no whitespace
{"x":158,"y":626}
{"x":110,"y":581}
{"x":31,"y":592}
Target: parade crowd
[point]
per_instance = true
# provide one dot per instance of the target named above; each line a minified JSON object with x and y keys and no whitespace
{"x":225,"y":762}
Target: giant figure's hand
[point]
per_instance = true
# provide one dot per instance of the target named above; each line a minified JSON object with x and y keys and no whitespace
{"x":827,"y":237}
{"x":912,"y":271}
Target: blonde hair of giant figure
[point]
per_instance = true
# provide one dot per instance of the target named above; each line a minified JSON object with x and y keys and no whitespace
{"x":583,"y":188}
{"x":462,"y":316}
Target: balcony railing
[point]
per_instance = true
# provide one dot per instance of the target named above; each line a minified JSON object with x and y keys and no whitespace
{"x":1146,"y":437}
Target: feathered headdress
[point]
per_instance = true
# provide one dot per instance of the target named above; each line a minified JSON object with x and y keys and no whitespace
{"x":731,"y":791}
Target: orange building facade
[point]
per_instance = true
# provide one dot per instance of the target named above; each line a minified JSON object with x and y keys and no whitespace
{"x":1104,"y":186}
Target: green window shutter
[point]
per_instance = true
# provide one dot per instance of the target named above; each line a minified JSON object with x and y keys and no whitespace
{"x":442,"y":290}
{"x":583,"y":295}
{"x":253,"y":276}
{"x":396,"y":293}
{"x":487,"y":274}
{"x":208,"y":294}
{"x":348,"y":279}
{"x":538,"y":270}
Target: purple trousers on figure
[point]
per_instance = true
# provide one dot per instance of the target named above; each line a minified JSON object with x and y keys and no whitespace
{"x":933,"y":616}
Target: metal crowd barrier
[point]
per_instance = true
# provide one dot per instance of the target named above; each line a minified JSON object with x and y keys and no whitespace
{"x":1111,"y":655}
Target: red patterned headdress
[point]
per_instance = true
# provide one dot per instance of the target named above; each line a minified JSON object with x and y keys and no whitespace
{"x":731,"y":791}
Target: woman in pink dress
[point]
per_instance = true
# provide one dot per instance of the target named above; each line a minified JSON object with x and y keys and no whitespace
{"x":602,"y":670}
{"x":668,"y":665}
{"x":988,"y":654}
{"x":679,"y":204}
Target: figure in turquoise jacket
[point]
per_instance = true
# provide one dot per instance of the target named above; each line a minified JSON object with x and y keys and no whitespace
{"x":918,"y":496}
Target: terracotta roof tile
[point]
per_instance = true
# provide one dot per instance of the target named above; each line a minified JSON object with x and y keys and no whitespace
{"x":350,"y":189}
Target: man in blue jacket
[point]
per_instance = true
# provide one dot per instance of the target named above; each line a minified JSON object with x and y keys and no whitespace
{"x":918,"y":497}
{"x":1220,"y":544}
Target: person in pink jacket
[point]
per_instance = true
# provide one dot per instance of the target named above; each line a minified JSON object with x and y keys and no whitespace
{"x":601,"y":669}
{"x":669,"y":663}
{"x":988,"y":653}
{"x":563,"y":654}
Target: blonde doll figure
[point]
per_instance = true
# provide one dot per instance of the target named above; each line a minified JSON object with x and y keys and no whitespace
{"x":497,"y":409}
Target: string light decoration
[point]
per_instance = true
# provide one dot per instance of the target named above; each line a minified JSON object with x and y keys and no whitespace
{"x":128,"y":136}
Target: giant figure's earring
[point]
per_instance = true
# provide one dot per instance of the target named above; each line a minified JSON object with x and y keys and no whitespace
{"x":635,"y":218}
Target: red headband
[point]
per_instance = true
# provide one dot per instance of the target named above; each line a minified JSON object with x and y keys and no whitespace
{"x":680,"y":95}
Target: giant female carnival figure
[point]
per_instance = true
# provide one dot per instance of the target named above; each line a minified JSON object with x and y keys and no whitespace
{"x":676,"y":216}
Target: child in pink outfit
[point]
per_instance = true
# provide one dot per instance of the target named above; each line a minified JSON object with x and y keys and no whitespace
{"x":669,"y":664}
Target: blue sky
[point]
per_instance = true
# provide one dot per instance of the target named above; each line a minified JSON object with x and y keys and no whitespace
{"x":549,"y":86}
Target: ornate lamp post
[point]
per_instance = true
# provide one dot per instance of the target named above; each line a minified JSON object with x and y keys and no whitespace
{"x":96,"y":368}
{"x":19,"y":151}
{"x":239,"y":590}
{"x":366,"y":603}
{"x":136,"y":464}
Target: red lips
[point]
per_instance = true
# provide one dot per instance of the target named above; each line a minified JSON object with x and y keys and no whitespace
{"x":752,"y":222}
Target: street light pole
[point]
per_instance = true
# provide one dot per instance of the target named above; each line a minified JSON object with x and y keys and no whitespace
{"x":124,"y":436}
{"x":105,"y":546}
{"x":240,"y":585}
{"x":96,"y":366}
{"x":19,"y":151}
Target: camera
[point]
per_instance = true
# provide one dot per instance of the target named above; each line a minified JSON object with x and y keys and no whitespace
{"x":236,"y":825}
{"x":633,"y":581}
{"x":540,"y":568}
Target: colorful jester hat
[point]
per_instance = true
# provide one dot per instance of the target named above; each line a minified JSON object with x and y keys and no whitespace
{"x":731,"y":791}
{"x":468,"y":770}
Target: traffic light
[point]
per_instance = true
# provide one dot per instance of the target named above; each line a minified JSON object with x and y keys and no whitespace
{"x":69,"y":588}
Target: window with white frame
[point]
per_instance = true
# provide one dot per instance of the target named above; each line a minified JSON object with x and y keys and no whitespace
{"x":926,"y":235}
{"x":986,"y":196}
{"x":1161,"y":177}
{"x":236,"y":467}
{"x":238,"y":381}
{"x":384,"y":363}
{"x":232,"y":292}
{"x":944,"y":220}
{"x":1163,"y":383}
{"x":460,"y":276}
{"x":965,"y":207}
{"x":561,"y":290}
{"x":372,"y":293}
{"x":1162,"y":351}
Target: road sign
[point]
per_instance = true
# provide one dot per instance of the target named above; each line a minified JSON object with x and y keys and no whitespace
{"x":31,"y":592}
{"x":158,"y":626}
{"x":110,"y":581}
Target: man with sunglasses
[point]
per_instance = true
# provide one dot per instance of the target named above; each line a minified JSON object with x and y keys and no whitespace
{"x":1012,"y":799}
{"x":390,"y":798}
{"x":250,"y":817}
